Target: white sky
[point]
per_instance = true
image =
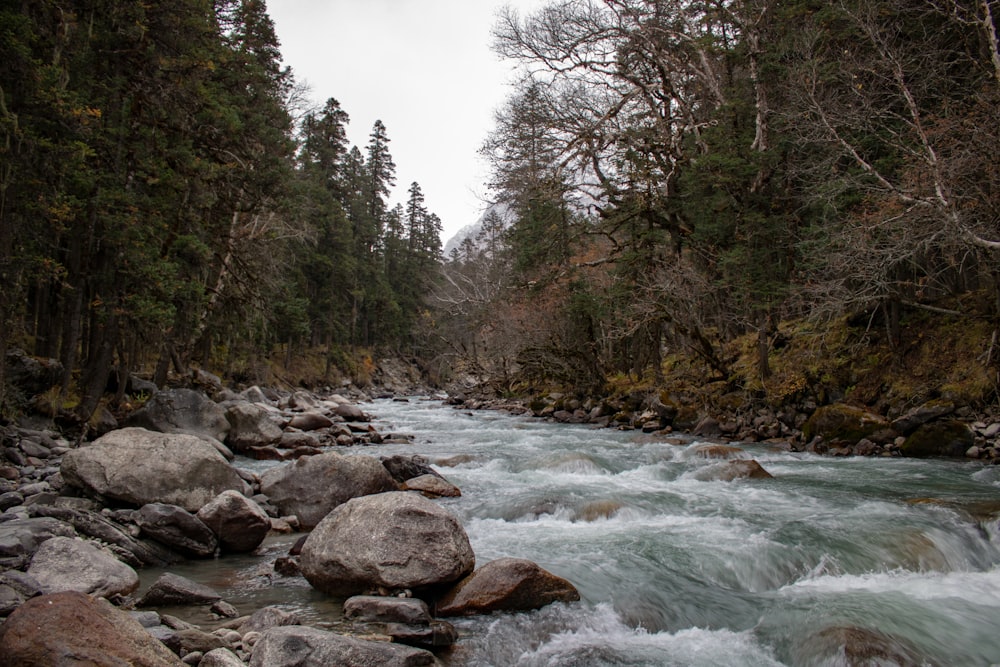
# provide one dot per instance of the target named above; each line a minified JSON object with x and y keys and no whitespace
{"x":425,"y":68}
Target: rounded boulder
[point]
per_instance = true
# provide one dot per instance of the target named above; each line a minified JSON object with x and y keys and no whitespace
{"x":137,"y":466}
{"x":312,"y":486}
{"x":390,"y":541}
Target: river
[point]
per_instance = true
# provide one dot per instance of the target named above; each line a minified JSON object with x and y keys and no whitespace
{"x":901,"y":556}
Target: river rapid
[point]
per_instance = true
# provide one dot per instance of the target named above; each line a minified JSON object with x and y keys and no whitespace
{"x":900,"y":556}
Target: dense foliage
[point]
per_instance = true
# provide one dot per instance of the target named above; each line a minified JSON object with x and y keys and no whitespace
{"x":669,"y":176}
{"x":672,"y":175}
{"x":168,"y":199}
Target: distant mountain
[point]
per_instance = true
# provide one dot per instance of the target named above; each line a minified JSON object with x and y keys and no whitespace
{"x":472,"y":231}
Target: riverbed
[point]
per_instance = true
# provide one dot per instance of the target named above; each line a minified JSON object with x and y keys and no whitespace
{"x":898,"y":556}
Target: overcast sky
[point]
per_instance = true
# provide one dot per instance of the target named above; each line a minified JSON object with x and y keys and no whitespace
{"x":425,"y":68}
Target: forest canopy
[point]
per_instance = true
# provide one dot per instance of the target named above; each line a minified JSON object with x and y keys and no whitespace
{"x":668,"y":176}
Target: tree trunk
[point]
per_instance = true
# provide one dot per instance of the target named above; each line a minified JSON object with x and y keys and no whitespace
{"x":763,"y":345}
{"x":94,"y":378}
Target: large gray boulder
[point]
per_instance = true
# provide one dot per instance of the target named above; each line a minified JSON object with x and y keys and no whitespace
{"x":251,"y":425}
{"x":137,"y":466}
{"x":181,"y":411}
{"x":506,"y":584}
{"x":301,"y":646}
{"x":312,"y":486}
{"x":238,"y":522}
{"x":78,"y":630}
{"x":389,"y":541}
{"x":71,"y":564}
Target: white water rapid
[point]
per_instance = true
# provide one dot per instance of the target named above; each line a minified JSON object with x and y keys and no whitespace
{"x":896,"y":559}
{"x":833,"y":562}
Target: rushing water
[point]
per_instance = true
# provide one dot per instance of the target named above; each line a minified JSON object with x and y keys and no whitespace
{"x":901,"y":556}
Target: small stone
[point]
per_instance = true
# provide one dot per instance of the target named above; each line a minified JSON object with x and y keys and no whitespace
{"x":224,"y":609}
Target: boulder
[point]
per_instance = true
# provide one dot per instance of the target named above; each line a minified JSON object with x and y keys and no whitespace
{"x":221,"y":657}
{"x":403,"y":467}
{"x":32,"y":375}
{"x":173,"y":589}
{"x":506,"y":584}
{"x":432,"y":486}
{"x":300,"y":646}
{"x":852,"y":645}
{"x":192,"y":640}
{"x":20,"y":538}
{"x":71,"y":564}
{"x":731,"y":470}
{"x":350,"y":412}
{"x":85,"y":631}
{"x":268,"y":617}
{"x":920,"y":415}
{"x":434,"y":635}
{"x":250,"y":426}
{"x":842,"y":425}
{"x":709,"y":451}
{"x":310,"y":421}
{"x":379,"y":609}
{"x":181,"y":411}
{"x":135,"y":552}
{"x":302,"y":400}
{"x":177,"y":528}
{"x":137,"y":466}
{"x":293,"y":439}
{"x":255,"y":394}
{"x":948,"y":437}
{"x":15,"y":588}
{"x":391,"y":541}
{"x":312,"y":486}
{"x":238,"y":522}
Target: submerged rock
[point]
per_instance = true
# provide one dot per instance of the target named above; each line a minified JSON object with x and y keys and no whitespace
{"x":732,"y":470}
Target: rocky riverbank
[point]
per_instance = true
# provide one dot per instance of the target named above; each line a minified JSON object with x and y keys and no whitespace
{"x":80,"y":518}
{"x":938,"y":427}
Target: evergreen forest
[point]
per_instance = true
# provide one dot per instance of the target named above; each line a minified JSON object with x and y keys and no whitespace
{"x":675,"y":183}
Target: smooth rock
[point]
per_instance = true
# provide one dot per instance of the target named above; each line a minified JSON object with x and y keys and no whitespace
{"x":238,"y":522}
{"x":22,"y":537}
{"x":300,"y":646}
{"x":268,"y":617}
{"x":432,"y":486}
{"x":506,"y":584}
{"x":311,"y":487}
{"x":181,"y":411}
{"x":390,"y":541}
{"x":173,"y":589}
{"x":732,"y":470}
{"x":177,"y":528}
{"x":380,"y":609}
{"x":221,"y":657}
{"x":250,"y":426}
{"x":138,"y":466}
{"x":310,"y":421}
{"x":82,"y":631}
{"x":71,"y":564}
